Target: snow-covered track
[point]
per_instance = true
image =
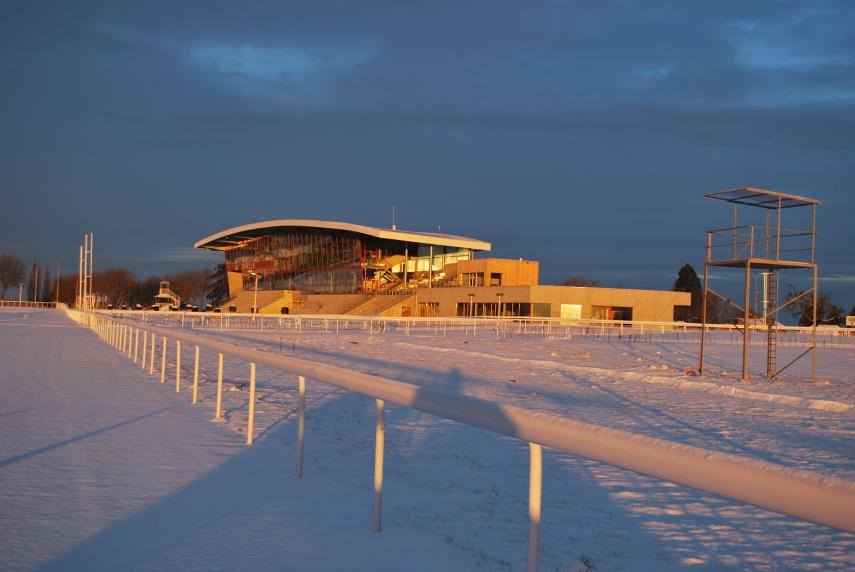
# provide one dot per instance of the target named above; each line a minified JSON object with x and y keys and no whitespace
{"x":801,"y":494}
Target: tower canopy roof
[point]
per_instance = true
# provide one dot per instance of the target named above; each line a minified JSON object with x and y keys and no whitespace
{"x":762,"y":198}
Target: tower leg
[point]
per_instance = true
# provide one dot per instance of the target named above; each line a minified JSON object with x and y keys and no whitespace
{"x":813,"y":333}
{"x":703,"y":318}
{"x":746,"y":319}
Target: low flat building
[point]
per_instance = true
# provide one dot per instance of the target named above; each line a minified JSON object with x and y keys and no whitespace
{"x":570,"y":302}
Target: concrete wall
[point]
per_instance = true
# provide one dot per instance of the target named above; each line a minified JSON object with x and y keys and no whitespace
{"x":235,"y":283}
{"x":647,"y":305}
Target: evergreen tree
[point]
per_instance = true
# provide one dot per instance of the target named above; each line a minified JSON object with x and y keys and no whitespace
{"x":688,"y":281}
{"x":218,"y":285}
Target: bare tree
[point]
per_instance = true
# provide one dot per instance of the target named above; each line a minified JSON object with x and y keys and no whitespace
{"x":11,"y":272}
{"x":581,"y":280}
{"x":191,"y":285}
{"x":115,"y":285}
{"x":68,"y":289}
{"x":33,"y":279}
{"x":826,"y":312}
{"x":47,"y":284}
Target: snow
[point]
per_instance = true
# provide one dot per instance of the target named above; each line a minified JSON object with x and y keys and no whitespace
{"x":171,"y":490}
{"x":104,"y":469}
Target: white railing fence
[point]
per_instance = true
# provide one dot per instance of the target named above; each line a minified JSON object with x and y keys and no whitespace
{"x":801,"y":494}
{"x":542,"y":328}
{"x":25,"y":304}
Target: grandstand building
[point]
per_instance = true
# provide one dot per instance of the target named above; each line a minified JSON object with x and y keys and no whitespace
{"x":310,"y":266}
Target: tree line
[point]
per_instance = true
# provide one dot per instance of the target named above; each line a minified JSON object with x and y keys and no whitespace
{"x":718,"y":312}
{"x":114,"y":286}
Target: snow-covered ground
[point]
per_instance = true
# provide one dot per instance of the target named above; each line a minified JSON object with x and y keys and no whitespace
{"x":455,"y":496}
{"x":101,"y":468}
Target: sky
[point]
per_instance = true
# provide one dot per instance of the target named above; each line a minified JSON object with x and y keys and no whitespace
{"x":582,"y":135}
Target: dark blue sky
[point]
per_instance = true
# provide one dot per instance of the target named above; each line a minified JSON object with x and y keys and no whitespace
{"x":583,"y":135}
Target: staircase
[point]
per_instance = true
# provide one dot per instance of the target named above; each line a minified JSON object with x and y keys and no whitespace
{"x":376,"y":305}
{"x":243,"y":301}
{"x":771,"y":323}
{"x":328,"y":303}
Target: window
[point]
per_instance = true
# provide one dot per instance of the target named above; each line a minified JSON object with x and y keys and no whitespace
{"x":571,"y":311}
{"x":428,"y":309}
{"x":611,"y":313}
{"x":541,"y":310}
{"x":495,"y":279}
{"x":473,"y":278}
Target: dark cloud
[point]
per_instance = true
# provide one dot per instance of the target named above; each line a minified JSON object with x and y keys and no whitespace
{"x":583,"y":135}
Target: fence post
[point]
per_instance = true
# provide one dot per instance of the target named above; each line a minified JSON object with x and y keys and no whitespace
{"x":196,"y":376}
{"x":151,"y":355}
{"x":163,"y":362}
{"x":177,"y":366}
{"x":144,"y":348}
{"x":378,"y":465}
{"x":251,"y":422}
{"x":136,"y":343}
{"x":534,"y":490}
{"x":219,"y":412}
{"x":301,"y":422}
{"x":129,"y":341}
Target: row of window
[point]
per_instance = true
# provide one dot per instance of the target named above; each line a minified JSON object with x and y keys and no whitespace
{"x":505,"y":309}
{"x":324,"y":261}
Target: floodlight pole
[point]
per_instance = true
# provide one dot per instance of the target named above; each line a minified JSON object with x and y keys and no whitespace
{"x":85,"y":288}
{"x":91,"y":269}
{"x":80,"y":281}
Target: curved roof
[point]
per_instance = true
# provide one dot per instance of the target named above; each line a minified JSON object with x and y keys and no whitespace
{"x":236,"y":236}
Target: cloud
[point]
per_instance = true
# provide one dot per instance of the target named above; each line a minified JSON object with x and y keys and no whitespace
{"x":177,"y":254}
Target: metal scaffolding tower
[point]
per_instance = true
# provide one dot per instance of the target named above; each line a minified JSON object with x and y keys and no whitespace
{"x":763,"y":246}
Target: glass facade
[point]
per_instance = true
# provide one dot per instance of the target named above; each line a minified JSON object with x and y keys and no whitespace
{"x":324,"y":261}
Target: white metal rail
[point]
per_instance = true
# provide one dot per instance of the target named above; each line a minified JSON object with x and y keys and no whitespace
{"x":548,"y":328}
{"x":801,"y":494}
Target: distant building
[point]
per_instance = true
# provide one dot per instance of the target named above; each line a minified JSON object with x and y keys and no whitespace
{"x":309,"y":266}
{"x":166,"y":299}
